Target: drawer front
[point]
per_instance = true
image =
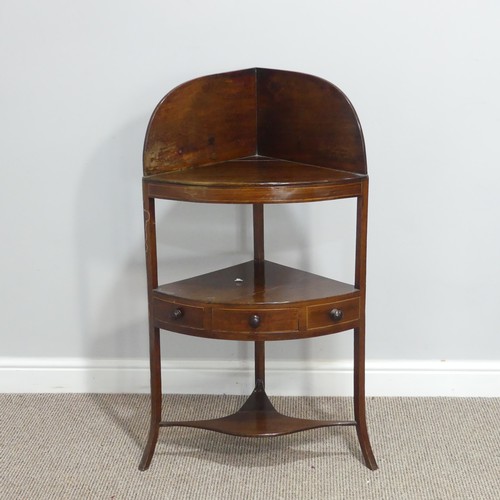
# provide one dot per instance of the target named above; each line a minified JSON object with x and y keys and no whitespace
{"x":255,"y":320}
{"x":333,"y":313}
{"x":169,"y":314}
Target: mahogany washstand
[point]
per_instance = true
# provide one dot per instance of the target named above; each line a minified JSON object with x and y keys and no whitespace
{"x":256,"y":136}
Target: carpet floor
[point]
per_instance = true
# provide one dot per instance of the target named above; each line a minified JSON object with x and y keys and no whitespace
{"x":89,"y":446}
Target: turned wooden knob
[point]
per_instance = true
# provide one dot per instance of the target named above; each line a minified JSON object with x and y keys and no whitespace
{"x":177,"y":314}
{"x":254,"y":320}
{"x":336,"y":314}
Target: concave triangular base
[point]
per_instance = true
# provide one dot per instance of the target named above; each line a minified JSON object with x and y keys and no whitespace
{"x":258,"y":418}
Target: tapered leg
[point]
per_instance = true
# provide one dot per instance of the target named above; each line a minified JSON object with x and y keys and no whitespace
{"x":154,"y":333}
{"x":359,"y":398}
{"x":359,"y":333}
{"x":155,"y":370}
{"x":259,"y":278}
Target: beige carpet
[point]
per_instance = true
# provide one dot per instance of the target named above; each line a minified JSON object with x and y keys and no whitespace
{"x":89,"y":446}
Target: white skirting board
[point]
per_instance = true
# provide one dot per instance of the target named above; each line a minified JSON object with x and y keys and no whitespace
{"x":295,"y":378}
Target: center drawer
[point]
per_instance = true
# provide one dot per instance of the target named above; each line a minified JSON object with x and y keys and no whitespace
{"x":255,"y":320}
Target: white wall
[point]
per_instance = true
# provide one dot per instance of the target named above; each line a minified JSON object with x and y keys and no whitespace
{"x":78,"y":83}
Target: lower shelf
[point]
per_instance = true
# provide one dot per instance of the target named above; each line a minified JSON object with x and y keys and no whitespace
{"x":258,"y":418}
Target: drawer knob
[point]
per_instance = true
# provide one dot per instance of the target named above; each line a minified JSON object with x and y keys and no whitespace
{"x":177,"y":314}
{"x":336,"y":314}
{"x":254,"y":320}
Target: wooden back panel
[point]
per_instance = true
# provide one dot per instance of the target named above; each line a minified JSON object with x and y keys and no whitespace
{"x":206,"y":120}
{"x":281,"y":114}
{"x":306,"y":119}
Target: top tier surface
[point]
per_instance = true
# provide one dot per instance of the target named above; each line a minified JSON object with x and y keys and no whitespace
{"x":256,"y":135}
{"x":254,"y":180}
